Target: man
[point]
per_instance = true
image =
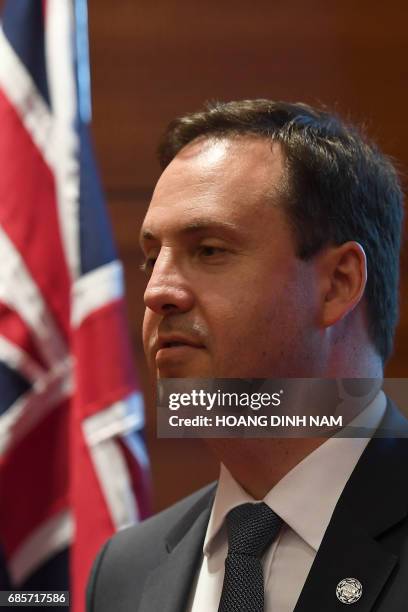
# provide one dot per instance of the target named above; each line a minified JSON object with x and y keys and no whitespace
{"x":272,"y":245}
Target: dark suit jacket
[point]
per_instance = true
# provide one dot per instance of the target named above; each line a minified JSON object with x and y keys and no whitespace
{"x":151,"y":567}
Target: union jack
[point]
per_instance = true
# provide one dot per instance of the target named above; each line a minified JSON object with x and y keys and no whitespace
{"x":73,"y":465}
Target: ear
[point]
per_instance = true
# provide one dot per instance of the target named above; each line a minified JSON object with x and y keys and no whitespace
{"x":344,"y":276}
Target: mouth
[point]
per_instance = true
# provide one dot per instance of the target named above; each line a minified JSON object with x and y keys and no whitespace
{"x":176,"y":350}
{"x":175,"y":341}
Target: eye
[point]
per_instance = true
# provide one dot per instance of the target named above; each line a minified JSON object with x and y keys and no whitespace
{"x":148,"y":265}
{"x":207,"y":250}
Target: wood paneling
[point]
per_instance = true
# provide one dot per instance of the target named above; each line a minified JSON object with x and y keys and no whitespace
{"x":152,"y":61}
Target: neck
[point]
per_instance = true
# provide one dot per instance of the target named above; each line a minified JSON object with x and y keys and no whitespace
{"x":259,"y":464}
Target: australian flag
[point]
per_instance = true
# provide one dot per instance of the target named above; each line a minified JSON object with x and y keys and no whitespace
{"x":73,"y":466}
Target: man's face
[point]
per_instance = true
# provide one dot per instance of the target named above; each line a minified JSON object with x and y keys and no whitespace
{"x":227,"y":297}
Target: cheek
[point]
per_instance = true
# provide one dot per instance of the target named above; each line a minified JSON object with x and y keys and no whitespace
{"x":230,"y":320}
{"x":253,"y":318}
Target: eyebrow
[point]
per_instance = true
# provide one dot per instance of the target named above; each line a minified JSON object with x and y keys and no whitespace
{"x":194,"y":227}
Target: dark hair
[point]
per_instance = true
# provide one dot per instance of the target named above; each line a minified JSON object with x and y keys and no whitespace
{"x":340,"y":188}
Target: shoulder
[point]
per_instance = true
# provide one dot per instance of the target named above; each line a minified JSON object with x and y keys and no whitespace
{"x":150,"y":535}
{"x":131,"y":554}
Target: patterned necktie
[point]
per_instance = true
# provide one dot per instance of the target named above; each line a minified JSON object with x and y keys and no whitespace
{"x":251,"y":529}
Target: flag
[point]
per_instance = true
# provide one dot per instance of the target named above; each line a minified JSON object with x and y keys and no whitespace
{"x":73,"y":465}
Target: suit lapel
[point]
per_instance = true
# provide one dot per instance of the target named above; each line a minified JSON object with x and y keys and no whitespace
{"x":374,"y":499}
{"x":346,"y":552}
{"x":168,"y":586}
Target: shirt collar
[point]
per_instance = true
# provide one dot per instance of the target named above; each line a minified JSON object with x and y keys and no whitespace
{"x":306,"y":496}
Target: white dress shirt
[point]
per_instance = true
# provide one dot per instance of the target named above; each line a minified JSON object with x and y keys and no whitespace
{"x":305,"y":499}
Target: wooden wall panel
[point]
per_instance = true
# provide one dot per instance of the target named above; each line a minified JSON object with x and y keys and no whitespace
{"x":154,"y":61}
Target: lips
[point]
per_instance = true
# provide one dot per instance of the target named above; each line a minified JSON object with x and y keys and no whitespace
{"x":175,"y":341}
{"x":176,"y":355}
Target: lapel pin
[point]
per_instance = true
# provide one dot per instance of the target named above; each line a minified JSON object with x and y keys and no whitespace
{"x":349,"y":590}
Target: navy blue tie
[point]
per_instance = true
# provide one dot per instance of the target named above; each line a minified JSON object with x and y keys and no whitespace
{"x":251,"y":529}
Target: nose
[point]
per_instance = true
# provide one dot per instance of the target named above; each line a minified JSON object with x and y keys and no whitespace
{"x":168,"y":290}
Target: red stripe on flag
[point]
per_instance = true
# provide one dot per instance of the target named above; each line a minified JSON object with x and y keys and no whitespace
{"x":27,"y":186}
{"x":93,"y":522}
{"x":14,"y":329}
{"x":140,"y":479}
{"x":104,"y":366}
{"x":33,"y":479}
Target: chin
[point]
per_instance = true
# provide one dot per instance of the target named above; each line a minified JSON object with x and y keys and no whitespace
{"x":184,"y":371}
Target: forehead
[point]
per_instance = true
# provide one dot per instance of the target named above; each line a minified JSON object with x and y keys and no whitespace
{"x":225,"y":180}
